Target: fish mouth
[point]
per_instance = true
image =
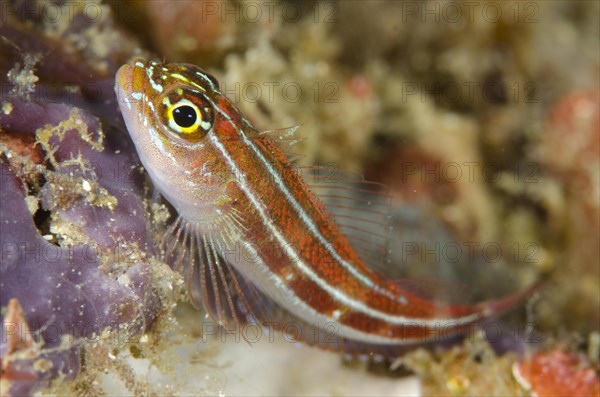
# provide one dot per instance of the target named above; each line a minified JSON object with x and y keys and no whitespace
{"x":131,"y":84}
{"x":131,"y":78}
{"x":130,"y":90}
{"x":124,"y":77}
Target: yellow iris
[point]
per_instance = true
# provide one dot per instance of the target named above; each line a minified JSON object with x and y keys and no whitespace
{"x":184,"y":117}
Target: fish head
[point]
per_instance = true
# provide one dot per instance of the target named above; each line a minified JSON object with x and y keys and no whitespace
{"x":174,"y":113}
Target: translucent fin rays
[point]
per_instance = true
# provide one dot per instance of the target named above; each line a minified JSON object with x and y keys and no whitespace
{"x":211,"y":281}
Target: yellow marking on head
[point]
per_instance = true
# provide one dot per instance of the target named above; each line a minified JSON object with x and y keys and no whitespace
{"x":180,"y":77}
{"x":186,"y":80}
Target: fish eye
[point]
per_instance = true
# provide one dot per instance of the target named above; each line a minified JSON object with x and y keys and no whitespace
{"x":185,"y":116}
{"x":189,"y":115}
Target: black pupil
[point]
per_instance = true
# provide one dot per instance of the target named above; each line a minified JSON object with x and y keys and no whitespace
{"x":184,"y":116}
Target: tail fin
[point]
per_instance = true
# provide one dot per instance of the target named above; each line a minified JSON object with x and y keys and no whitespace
{"x":494,"y":308}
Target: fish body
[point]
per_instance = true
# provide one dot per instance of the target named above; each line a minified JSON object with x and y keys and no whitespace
{"x":247,"y":219}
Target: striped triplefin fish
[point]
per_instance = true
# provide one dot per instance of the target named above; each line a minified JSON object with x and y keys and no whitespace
{"x":253,"y":240}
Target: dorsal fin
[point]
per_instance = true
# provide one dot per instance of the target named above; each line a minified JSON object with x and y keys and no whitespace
{"x":286,"y":138}
{"x":360,"y":208}
{"x":286,"y":135}
{"x":447,"y":292}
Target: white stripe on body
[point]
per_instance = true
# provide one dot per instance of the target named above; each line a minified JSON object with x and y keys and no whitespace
{"x":306,"y":269}
{"x":260,"y":274}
